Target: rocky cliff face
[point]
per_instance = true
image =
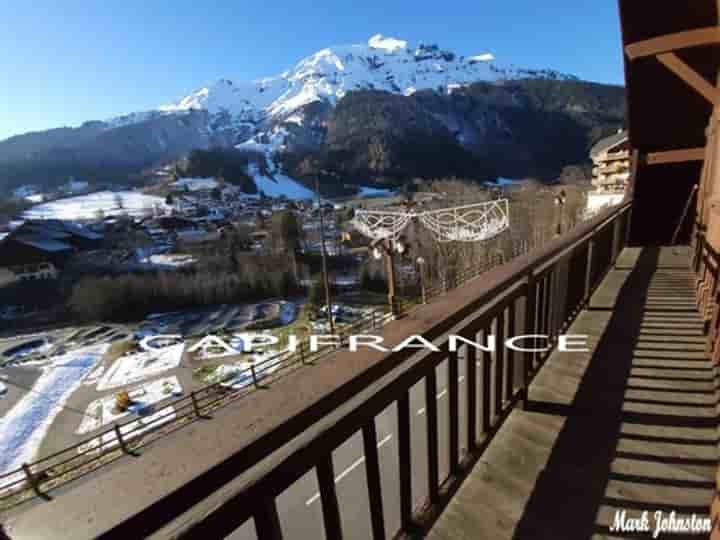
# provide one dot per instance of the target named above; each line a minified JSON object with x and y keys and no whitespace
{"x":523,"y":128}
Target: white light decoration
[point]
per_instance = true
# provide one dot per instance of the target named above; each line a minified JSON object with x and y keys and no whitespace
{"x":470,"y":223}
{"x":380,"y":225}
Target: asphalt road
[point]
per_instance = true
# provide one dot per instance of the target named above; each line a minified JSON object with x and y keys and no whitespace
{"x":299,"y":507}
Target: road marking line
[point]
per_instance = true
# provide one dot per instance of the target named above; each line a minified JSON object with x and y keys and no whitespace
{"x":385,"y":440}
{"x":347,"y":471}
{"x":439,"y":396}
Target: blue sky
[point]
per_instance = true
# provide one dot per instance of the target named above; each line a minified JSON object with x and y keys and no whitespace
{"x":70,"y":61}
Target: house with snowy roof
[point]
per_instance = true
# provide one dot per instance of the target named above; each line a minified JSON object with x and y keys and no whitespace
{"x":35,"y":242}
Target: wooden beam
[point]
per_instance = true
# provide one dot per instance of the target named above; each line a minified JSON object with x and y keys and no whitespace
{"x":676,"y":156}
{"x":674,"y":42}
{"x":691,"y":77}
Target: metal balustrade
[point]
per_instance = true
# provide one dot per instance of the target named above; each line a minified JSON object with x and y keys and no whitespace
{"x":542,"y":297}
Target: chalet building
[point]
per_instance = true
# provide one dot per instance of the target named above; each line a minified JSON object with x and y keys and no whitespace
{"x":611,"y":163}
{"x":46,"y":241}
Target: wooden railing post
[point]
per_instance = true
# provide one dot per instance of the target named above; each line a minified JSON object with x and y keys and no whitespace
{"x":32,"y":480}
{"x":121,"y":441}
{"x":195,"y":405}
{"x":589,"y":270}
{"x":615,"y":249}
{"x":529,"y":329}
{"x":256,"y":380}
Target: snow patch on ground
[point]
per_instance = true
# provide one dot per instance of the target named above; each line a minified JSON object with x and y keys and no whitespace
{"x":99,"y":205}
{"x":278,"y":185}
{"x":374,"y":192}
{"x":238,"y":376}
{"x":195,"y":184}
{"x":94,"y":377}
{"x":23,"y":428}
{"x":135,"y":367}
{"x":600,"y":201}
{"x":171,"y":260}
{"x":502,"y":182}
{"x":101,"y":412}
{"x":131,"y":430}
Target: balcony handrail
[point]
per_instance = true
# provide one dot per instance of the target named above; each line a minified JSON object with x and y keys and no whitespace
{"x":269,"y":465}
{"x":542,"y":278}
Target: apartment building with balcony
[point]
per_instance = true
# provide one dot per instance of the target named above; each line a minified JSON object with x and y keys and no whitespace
{"x":611,"y":163}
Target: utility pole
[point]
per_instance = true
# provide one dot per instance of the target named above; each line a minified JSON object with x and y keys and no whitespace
{"x":326,"y":281}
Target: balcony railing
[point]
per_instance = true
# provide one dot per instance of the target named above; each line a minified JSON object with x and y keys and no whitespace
{"x":539,"y":293}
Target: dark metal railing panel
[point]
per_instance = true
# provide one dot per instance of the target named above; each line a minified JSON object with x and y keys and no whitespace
{"x":328,"y":497}
{"x":499,"y":363}
{"x":453,"y":413}
{"x":529,"y":327}
{"x":372,"y":470}
{"x":510,"y":354}
{"x":471,"y":360}
{"x":486,"y":359}
{"x":404,"y":460}
{"x":433,"y":454}
{"x":267,"y":521}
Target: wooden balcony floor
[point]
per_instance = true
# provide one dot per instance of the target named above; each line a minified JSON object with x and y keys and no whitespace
{"x":631,"y":425}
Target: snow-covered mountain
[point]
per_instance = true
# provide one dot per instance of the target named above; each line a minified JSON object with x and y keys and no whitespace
{"x":290,"y":111}
{"x":383,"y":63}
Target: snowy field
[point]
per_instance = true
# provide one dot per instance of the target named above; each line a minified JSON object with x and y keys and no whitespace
{"x":23,"y":428}
{"x":101,"y":412}
{"x":135,"y":367}
{"x":130,"y":430}
{"x":195,"y":184}
{"x":274,"y":184}
{"x":102,"y":203}
{"x":238,"y":376}
{"x":278,"y":185}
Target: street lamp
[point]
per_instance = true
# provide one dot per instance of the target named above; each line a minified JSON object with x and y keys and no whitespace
{"x":560,"y":200}
{"x":326,"y":281}
{"x":385,"y":248}
{"x":421,"y":270}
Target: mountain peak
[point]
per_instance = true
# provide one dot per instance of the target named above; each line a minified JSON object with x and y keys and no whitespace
{"x":389,"y":44}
